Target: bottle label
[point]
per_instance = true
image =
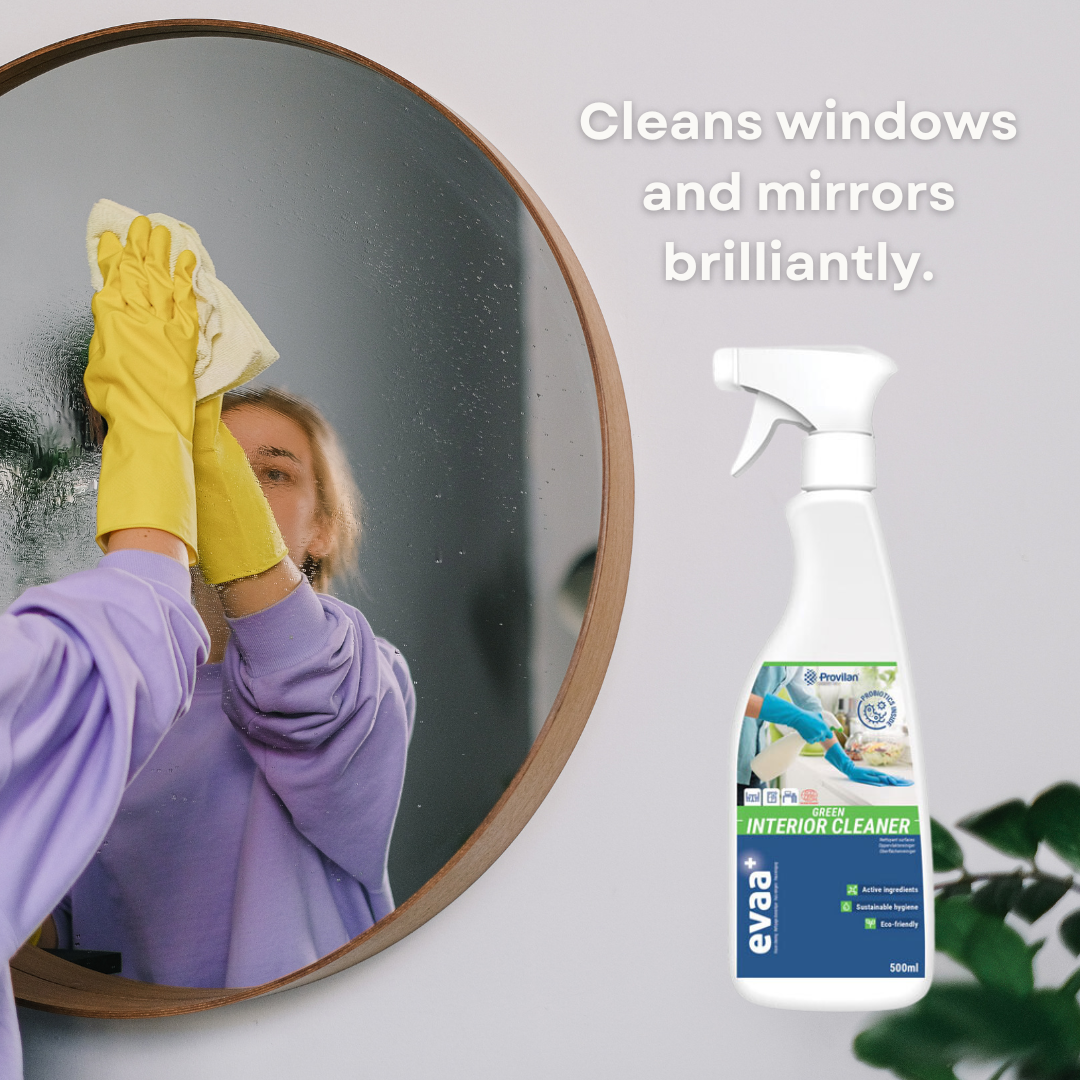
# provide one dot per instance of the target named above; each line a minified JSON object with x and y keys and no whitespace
{"x":829,"y":851}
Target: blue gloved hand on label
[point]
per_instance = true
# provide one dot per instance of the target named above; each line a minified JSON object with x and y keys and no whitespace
{"x":835,"y":756}
{"x":811,"y":727}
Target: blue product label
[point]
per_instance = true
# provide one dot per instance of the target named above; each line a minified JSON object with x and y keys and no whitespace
{"x":829,"y":851}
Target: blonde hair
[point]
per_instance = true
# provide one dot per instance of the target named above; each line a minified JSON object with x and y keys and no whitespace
{"x":338,"y":502}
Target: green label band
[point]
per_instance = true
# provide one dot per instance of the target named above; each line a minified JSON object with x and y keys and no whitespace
{"x":828,"y":820}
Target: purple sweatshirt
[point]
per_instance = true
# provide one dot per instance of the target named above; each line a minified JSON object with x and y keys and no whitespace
{"x":255,"y":840}
{"x":93,"y":670}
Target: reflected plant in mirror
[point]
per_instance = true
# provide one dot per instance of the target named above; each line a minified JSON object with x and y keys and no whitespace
{"x":50,"y":443}
{"x":432,"y":360}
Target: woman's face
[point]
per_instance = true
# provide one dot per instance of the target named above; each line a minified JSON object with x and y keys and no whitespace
{"x":280,"y":455}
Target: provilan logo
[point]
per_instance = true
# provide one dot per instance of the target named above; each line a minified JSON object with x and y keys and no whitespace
{"x":877,"y":710}
{"x":809,"y":676}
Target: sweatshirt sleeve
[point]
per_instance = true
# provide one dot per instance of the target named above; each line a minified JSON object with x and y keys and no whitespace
{"x":326,"y":710}
{"x":94,"y":669}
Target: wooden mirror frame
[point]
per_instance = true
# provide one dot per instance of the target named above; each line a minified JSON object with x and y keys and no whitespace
{"x":43,"y":981}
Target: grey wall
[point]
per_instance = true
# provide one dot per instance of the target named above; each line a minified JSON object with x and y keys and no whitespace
{"x":597,"y":945}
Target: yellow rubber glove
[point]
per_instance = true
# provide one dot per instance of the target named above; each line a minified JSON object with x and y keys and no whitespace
{"x":238,"y":536}
{"x":141,"y":378}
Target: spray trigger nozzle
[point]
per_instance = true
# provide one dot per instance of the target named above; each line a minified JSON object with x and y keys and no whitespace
{"x":829,"y":392}
{"x":768,"y":413}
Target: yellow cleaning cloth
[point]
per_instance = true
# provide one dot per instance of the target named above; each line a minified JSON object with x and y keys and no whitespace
{"x":231,"y":348}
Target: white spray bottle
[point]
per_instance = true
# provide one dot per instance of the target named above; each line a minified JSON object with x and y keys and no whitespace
{"x":832,"y":888}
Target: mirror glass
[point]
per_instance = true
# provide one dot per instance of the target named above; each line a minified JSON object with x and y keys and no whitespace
{"x":416,"y":305}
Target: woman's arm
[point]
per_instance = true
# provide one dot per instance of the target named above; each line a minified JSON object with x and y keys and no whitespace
{"x":96,"y":667}
{"x":155,"y":540}
{"x":326,"y":711}
{"x":93,"y":671}
{"x":238,"y":599}
{"x":803,"y":698}
{"x":249,"y":596}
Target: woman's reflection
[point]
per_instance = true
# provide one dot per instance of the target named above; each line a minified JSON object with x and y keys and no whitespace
{"x":255,"y":839}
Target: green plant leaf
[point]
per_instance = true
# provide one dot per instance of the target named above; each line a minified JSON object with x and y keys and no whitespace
{"x":1070,"y":932}
{"x":969,"y":1021}
{"x":900,"y":1042}
{"x":998,"y":956}
{"x":991,"y":950}
{"x":1071,"y":986}
{"x":998,"y":896}
{"x":1055,"y":818}
{"x":1043,"y":1027}
{"x":955,"y":888}
{"x":1034,"y":1070}
{"x":1005,"y":827}
{"x":947,"y":852}
{"x":954,"y":919}
{"x":1039,"y":897}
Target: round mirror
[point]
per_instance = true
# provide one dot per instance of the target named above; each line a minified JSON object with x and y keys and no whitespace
{"x":432,"y":317}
